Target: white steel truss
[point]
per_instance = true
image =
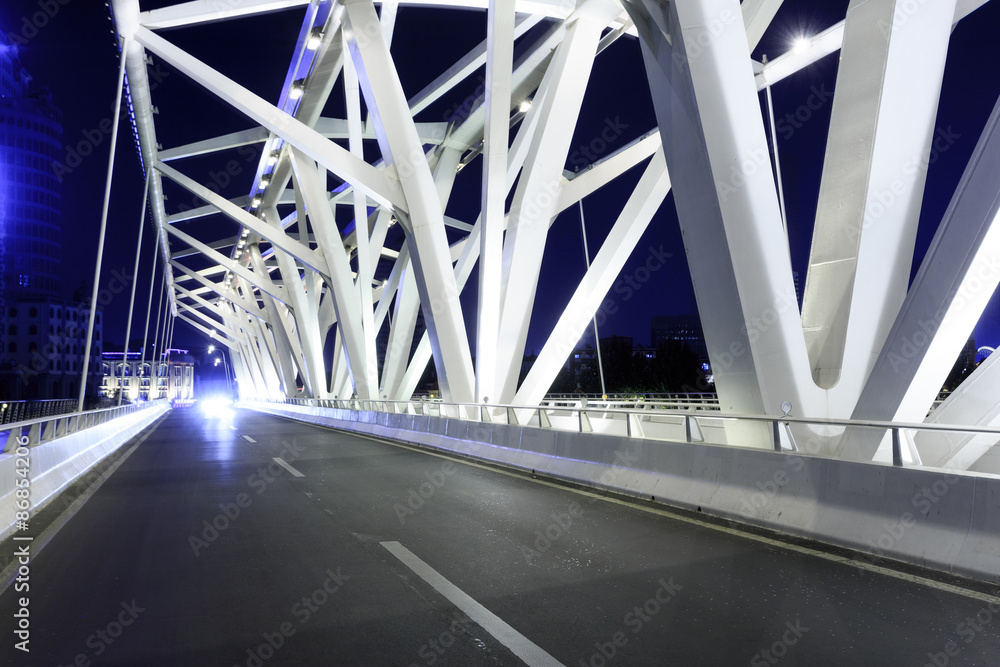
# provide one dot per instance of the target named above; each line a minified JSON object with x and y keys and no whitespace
{"x":298,"y":295}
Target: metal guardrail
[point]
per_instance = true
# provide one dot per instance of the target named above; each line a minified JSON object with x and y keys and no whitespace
{"x":695,"y":423}
{"x":16,"y":411}
{"x":640,"y":396}
{"x":44,"y":429}
{"x":626,"y":402}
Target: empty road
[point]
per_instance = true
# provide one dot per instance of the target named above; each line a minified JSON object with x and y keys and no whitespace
{"x":244,"y":539}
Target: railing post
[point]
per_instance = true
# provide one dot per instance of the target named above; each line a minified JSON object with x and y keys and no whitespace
{"x":776,"y":435}
{"x":897,"y":450}
{"x":687,"y":428}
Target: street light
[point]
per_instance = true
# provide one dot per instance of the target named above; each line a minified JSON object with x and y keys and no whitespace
{"x":211,"y":349}
{"x":225,"y":366}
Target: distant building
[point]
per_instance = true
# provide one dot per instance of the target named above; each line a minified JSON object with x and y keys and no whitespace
{"x":172,"y":377}
{"x":43,"y":343}
{"x":583,"y":360}
{"x":683,"y":328}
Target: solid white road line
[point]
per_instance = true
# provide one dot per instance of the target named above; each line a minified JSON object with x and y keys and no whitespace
{"x":248,"y":438}
{"x":284,"y":464}
{"x":519,"y":645}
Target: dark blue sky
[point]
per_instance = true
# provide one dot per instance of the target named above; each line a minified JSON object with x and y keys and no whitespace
{"x":73,"y":54}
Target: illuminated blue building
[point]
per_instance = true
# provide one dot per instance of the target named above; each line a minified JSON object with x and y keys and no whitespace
{"x":31,"y":134}
{"x":41,"y":335}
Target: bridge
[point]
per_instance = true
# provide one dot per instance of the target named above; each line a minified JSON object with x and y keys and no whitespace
{"x":824,"y":507}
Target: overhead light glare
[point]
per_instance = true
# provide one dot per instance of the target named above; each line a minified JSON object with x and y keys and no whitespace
{"x":524,"y":106}
{"x":801,"y":44}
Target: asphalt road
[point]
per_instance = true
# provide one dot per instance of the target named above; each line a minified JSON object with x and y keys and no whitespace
{"x":201,"y":549}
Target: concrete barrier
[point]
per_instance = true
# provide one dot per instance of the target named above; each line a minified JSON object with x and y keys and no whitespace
{"x":941,"y":519}
{"x":57,"y":463}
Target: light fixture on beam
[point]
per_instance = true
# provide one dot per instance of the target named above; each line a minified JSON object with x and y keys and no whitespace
{"x":299,"y":87}
{"x":315,"y":39}
{"x":272,"y":158}
{"x":524,"y":106}
{"x":265,"y":180}
{"x":255,"y":202}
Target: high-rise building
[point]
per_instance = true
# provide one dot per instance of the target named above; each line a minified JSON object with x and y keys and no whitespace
{"x":30,"y":198}
{"x":42,"y":336}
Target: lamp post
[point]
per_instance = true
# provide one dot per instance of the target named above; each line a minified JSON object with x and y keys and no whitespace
{"x":225,"y":366}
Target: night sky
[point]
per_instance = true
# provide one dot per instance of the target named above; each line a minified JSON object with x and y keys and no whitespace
{"x":73,"y":53}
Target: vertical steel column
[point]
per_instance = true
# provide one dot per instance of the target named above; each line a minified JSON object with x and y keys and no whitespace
{"x":135,"y":272}
{"x":496,"y":136}
{"x":149,"y":308}
{"x":104,"y":225}
{"x":156,"y":338}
